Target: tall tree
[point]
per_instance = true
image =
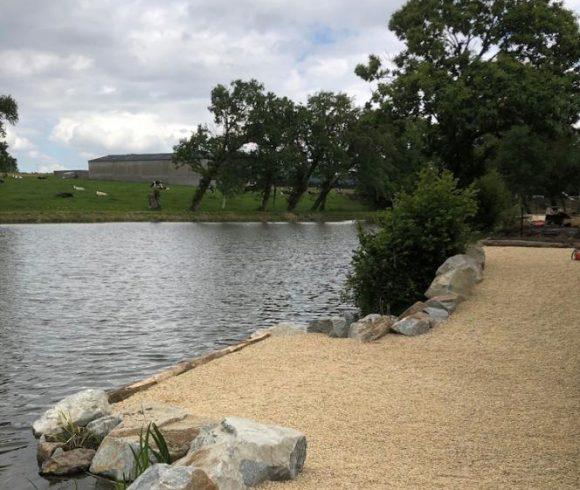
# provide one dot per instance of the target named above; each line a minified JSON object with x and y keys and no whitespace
{"x":210,"y":152}
{"x":472,"y":68}
{"x":8,"y":114}
{"x":334,"y":120}
{"x":270,"y":129}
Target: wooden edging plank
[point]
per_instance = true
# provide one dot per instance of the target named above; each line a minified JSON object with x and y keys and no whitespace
{"x":524,"y":243}
{"x":120,"y":394}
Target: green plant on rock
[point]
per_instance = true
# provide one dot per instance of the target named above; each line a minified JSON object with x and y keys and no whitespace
{"x":146,"y":453}
{"x":393,"y":266}
{"x":73,"y":436}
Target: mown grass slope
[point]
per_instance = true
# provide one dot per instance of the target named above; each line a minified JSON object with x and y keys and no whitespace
{"x":34,"y":200}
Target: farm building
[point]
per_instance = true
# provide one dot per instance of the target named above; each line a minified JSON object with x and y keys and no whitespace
{"x":141,"y":168}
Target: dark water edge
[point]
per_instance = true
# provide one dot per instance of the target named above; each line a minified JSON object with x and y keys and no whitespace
{"x":99,"y":305}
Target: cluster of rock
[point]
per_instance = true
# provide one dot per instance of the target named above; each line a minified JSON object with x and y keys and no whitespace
{"x":453,"y":283}
{"x":233,"y":454}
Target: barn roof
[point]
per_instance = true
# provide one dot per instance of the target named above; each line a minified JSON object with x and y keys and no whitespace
{"x":132,"y":157}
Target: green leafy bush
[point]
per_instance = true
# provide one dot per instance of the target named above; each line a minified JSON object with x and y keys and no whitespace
{"x":496,"y":207}
{"x":394,"y":265}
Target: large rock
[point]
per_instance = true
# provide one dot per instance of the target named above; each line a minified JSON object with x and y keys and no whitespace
{"x":114,"y":458}
{"x":284,"y":329}
{"x":414,"y":308}
{"x":333,"y":326}
{"x":164,"y":477}
{"x":413,"y":325}
{"x":241,"y":453}
{"x":447,"y":302}
{"x":371,"y":327}
{"x":102,"y":426}
{"x":68,"y":462}
{"x":458,"y":281}
{"x":326,"y":325}
{"x":45,"y":449}
{"x":462,"y":261}
{"x":476,"y":252}
{"x":80,"y":408}
{"x":438,"y":315}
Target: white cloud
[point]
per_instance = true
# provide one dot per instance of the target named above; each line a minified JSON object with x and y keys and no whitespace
{"x":17,"y":143}
{"x":118,"y":132}
{"x":23,"y":63}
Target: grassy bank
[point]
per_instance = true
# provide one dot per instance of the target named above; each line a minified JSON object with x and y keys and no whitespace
{"x":31,"y":200}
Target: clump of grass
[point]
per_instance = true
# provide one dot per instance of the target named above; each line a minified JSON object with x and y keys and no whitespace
{"x":73,"y":436}
{"x":147,"y":451}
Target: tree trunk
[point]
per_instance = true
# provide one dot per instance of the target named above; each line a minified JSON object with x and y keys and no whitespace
{"x":200,"y":192}
{"x":265,"y":197}
{"x":325,"y":189}
{"x":223,"y":202}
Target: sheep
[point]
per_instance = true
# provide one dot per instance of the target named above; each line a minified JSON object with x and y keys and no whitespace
{"x":99,"y":193}
{"x":78,"y":188}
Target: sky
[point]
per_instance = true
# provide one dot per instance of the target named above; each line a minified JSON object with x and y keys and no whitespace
{"x":99,"y":77}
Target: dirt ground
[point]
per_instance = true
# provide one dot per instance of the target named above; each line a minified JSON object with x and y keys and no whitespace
{"x":490,"y":399}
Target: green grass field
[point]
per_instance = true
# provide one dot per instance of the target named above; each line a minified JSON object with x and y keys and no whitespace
{"x":31,"y":200}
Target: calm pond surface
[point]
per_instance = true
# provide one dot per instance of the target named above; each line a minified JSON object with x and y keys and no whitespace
{"x":99,"y":305}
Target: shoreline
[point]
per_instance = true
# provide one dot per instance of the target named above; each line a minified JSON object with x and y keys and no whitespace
{"x":474,"y":387}
{"x":7,"y":218}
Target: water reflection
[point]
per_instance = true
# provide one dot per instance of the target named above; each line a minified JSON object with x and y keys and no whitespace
{"x":98,"y":305}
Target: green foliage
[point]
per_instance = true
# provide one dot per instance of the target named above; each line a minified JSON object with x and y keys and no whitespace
{"x":536,"y":164}
{"x":496,"y":207}
{"x":147,"y":453}
{"x":8,"y":113}
{"x":476,"y":68}
{"x":394,"y":266}
{"x":73,"y":436}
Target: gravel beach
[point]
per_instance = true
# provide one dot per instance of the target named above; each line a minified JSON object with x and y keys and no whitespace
{"x":489,"y":399}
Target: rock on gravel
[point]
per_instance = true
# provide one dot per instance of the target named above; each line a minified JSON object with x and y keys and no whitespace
{"x":164,"y":477}
{"x":80,"y":408}
{"x":462,"y":261}
{"x":447,"y":302}
{"x":371,"y":327}
{"x":241,"y":453}
{"x":102,"y":426}
{"x":68,"y":462}
{"x":414,"y":308}
{"x":415,"y":324}
{"x":476,"y":252}
{"x":114,"y":458}
{"x":458,"y":281}
{"x":438,"y":315}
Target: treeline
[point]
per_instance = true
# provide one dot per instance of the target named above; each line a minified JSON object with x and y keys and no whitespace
{"x":485,"y":89}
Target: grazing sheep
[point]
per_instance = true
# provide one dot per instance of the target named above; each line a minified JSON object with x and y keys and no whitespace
{"x":78,"y":188}
{"x":99,"y":193}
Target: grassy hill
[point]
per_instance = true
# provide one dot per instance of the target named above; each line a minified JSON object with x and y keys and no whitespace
{"x":31,"y":200}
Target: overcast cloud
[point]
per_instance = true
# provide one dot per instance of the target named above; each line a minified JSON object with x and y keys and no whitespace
{"x":94,"y":77}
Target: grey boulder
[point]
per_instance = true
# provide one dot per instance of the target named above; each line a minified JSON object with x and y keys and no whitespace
{"x":447,"y":302}
{"x":462,"y":261}
{"x":114,"y":458}
{"x":415,"y":324}
{"x":371,"y":327}
{"x":333,"y":326}
{"x":102,"y":426}
{"x":68,"y":462}
{"x":164,"y":477}
{"x":476,"y":252}
{"x":283,"y":329}
{"x":438,"y":315}
{"x":459,"y":281}
{"x":80,"y":408}
{"x":241,"y":453}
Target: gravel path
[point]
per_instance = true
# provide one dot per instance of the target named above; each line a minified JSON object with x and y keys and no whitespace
{"x":489,"y":399}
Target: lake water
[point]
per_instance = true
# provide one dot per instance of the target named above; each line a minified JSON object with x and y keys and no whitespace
{"x":99,"y":305}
